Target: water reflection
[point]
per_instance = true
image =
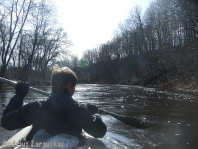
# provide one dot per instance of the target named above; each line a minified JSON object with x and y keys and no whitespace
{"x":175,"y":112}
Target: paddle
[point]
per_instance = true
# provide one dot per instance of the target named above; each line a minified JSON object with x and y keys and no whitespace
{"x":134,"y":122}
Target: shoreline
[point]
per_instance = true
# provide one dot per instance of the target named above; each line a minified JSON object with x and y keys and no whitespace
{"x":177,"y":87}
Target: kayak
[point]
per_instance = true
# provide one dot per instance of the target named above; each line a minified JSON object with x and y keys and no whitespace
{"x":18,"y":141}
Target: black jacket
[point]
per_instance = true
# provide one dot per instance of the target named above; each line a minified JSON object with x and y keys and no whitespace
{"x":58,"y":114}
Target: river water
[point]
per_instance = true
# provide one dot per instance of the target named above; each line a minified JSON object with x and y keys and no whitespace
{"x":175,"y":113}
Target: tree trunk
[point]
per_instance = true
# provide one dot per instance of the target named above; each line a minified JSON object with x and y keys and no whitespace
{"x":3,"y":71}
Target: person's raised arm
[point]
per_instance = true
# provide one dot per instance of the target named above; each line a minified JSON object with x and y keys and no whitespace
{"x":13,"y":114}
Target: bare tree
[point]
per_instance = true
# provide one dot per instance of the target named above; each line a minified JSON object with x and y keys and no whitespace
{"x":44,"y":41}
{"x":13,"y":20}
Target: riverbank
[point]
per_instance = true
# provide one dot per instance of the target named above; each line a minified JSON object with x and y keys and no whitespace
{"x":167,"y":69}
{"x":178,"y":68}
{"x":36,"y":83}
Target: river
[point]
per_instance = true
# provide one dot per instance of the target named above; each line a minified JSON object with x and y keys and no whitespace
{"x":175,"y":113}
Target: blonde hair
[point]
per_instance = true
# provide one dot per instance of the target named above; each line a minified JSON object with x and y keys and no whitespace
{"x":62,"y":76}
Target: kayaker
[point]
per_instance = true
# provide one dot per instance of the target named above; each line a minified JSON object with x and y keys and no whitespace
{"x":59,"y":113}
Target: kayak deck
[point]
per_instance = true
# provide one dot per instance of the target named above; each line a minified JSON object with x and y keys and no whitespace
{"x":14,"y":141}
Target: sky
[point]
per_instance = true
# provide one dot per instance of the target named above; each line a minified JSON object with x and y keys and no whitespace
{"x":89,"y":23}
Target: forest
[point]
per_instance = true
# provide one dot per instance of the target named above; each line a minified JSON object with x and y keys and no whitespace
{"x":156,"y":47}
{"x":30,"y":38}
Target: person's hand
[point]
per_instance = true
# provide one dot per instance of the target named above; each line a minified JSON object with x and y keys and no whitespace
{"x":21,"y":89}
{"x":93,"y":109}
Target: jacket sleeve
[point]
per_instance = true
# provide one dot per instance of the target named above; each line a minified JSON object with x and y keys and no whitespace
{"x":92,"y":124}
{"x":14,"y":115}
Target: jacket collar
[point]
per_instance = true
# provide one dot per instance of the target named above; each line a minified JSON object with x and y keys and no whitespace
{"x":61,"y":101}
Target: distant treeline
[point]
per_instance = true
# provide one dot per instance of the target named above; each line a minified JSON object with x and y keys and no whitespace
{"x":30,"y":38}
{"x":165,"y":25}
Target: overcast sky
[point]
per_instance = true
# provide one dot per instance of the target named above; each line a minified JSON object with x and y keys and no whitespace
{"x":92,"y":22}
